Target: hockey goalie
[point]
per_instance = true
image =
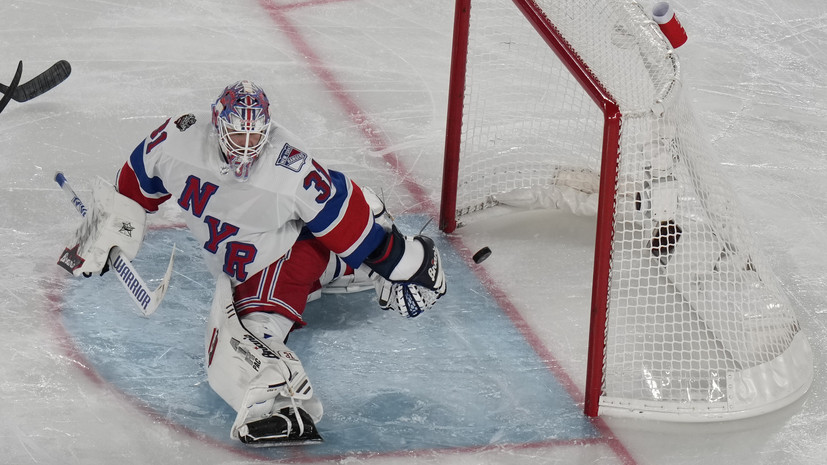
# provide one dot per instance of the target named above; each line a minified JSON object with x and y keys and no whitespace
{"x":277,"y":229}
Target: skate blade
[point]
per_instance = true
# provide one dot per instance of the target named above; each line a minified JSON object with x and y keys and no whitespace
{"x":285,"y":443}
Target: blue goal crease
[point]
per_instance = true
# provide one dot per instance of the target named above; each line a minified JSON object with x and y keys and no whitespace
{"x":458,"y":376}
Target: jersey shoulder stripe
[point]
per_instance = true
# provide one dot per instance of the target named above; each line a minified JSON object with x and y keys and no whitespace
{"x":127,"y":184}
{"x":151,"y":186}
{"x":335,"y":207}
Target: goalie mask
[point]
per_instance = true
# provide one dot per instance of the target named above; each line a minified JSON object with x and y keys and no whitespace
{"x":241,"y":117}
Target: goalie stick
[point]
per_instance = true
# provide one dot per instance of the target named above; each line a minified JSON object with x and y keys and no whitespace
{"x":38,"y":85}
{"x":146,"y":300}
{"x":13,"y":87}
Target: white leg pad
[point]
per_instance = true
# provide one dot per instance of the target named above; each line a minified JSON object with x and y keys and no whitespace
{"x":255,"y":377}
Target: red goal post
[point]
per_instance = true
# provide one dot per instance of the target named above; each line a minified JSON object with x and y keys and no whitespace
{"x":579,"y":105}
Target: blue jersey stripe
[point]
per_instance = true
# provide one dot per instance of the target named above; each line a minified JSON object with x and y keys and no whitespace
{"x":333,"y":207}
{"x":151,"y":186}
{"x":330,"y":214}
{"x":371,"y":242}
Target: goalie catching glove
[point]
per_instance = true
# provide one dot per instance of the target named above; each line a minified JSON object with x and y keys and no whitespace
{"x":115,"y":221}
{"x":410,"y":276}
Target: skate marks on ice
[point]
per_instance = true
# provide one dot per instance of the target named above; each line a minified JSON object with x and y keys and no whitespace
{"x":459,"y":376}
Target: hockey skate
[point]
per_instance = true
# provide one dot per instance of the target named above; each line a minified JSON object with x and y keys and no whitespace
{"x":288,"y":427}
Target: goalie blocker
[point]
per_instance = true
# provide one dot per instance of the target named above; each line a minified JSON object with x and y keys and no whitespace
{"x":115,"y":221}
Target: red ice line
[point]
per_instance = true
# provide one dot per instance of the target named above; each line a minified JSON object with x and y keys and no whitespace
{"x":373,"y":133}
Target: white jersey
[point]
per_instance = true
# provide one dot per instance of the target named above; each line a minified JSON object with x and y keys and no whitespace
{"x":246,"y":226}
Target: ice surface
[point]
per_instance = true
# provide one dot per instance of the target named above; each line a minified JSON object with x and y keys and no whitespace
{"x":364,"y":83}
{"x":462,"y":378}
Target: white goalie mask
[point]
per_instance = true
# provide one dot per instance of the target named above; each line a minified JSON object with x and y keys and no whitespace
{"x":241,"y":117}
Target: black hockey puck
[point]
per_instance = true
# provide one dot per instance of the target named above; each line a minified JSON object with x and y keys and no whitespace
{"x":482,"y":255}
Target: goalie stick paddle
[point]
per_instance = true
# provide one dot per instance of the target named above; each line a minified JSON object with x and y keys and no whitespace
{"x":13,"y":87}
{"x":146,"y":300}
{"x":38,"y":85}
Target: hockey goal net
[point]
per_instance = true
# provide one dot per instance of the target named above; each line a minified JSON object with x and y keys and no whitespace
{"x":578,"y":104}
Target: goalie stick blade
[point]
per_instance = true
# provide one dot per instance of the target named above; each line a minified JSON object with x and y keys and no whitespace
{"x":146,"y":300}
{"x":161,"y":291}
{"x":12,"y":87}
{"x":40,"y":84}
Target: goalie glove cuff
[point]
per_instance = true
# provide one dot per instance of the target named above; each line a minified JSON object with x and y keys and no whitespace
{"x":399,"y":258}
{"x":410,"y":260}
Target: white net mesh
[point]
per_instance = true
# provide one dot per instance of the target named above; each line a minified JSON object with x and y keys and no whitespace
{"x":696,"y":325}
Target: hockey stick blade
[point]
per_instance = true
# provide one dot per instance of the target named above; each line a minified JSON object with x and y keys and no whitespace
{"x":146,"y":299}
{"x":13,"y":87}
{"x":40,"y":84}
